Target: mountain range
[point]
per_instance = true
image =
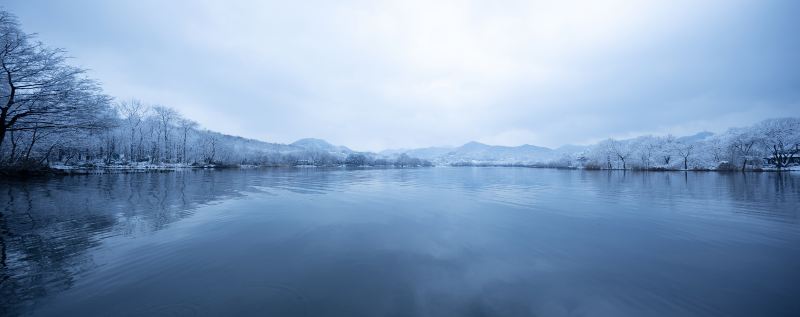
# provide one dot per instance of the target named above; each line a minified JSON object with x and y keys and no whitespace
{"x":471,"y":152}
{"x":476,"y":152}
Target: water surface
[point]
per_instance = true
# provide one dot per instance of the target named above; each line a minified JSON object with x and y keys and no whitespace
{"x":402,"y":242}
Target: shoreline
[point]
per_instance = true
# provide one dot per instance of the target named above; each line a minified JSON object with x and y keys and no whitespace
{"x":17,"y":173}
{"x":656,"y":169}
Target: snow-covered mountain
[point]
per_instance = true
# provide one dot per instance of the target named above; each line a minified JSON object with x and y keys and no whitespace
{"x":476,"y":152}
{"x":571,"y":149}
{"x":469,"y":153}
{"x":700,"y":136}
{"x":319,"y":145}
{"x":479,"y":152}
{"x":427,"y":153}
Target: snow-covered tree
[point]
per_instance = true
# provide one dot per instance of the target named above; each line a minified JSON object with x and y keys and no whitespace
{"x":743,"y":141}
{"x":781,"y":139}
{"x":621,"y":150}
{"x":684,"y":150}
{"x":40,"y":94}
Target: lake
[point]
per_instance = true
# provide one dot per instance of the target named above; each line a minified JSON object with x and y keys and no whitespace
{"x":402,"y":242}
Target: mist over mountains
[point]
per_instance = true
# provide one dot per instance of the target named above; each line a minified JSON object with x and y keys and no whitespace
{"x":768,"y":144}
{"x":53,"y":115}
{"x":473,"y":152}
{"x":480,"y":152}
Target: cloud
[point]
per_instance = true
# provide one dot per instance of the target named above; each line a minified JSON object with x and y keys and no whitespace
{"x":377,"y":74}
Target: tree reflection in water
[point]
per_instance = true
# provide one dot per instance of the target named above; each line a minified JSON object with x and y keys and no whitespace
{"x":49,"y":227}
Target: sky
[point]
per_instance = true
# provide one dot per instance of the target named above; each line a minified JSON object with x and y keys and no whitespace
{"x":374,"y":75}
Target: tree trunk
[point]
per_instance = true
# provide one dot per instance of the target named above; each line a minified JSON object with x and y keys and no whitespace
{"x":777,"y":156}
{"x":30,"y":146}
{"x":13,"y":148}
{"x":2,"y":131}
{"x":4,"y":110}
{"x":133,"y":140}
{"x":183,"y":152}
{"x":46,"y":157}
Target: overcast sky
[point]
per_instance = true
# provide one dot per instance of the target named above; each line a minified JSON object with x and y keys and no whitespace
{"x":374,"y":75}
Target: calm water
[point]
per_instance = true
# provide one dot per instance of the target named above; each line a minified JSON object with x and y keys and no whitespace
{"x":402,"y":242}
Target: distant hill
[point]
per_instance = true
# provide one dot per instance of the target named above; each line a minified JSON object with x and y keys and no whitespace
{"x":468,"y":153}
{"x":479,"y":152}
{"x":696,"y":137}
{"x":427,"y":153}
{"x":311,"y":144}
{"x":476,"y":152}
{"x":571,"y":148}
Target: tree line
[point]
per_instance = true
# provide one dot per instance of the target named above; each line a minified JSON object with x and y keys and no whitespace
{"x":52,"y":113}
{"x":772,"y":143}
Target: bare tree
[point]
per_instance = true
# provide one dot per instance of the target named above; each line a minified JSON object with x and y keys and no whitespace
{"x":133,"y":113}
{"x":39,"y":93}
{"x":716,"y":146}
{"x":666,"y":148}
{"x":38,"y":90}
{"x":684,"y":150}
{"x":646,"y":147}
{"x":165,"y":116}
{"x":210,"y":147}
{"x":743,"y":142}
{"x":621,"y":150}
{"x":186,"y":126}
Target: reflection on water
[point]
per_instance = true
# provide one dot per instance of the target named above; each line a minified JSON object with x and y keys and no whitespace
{"x":401,"y":242}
